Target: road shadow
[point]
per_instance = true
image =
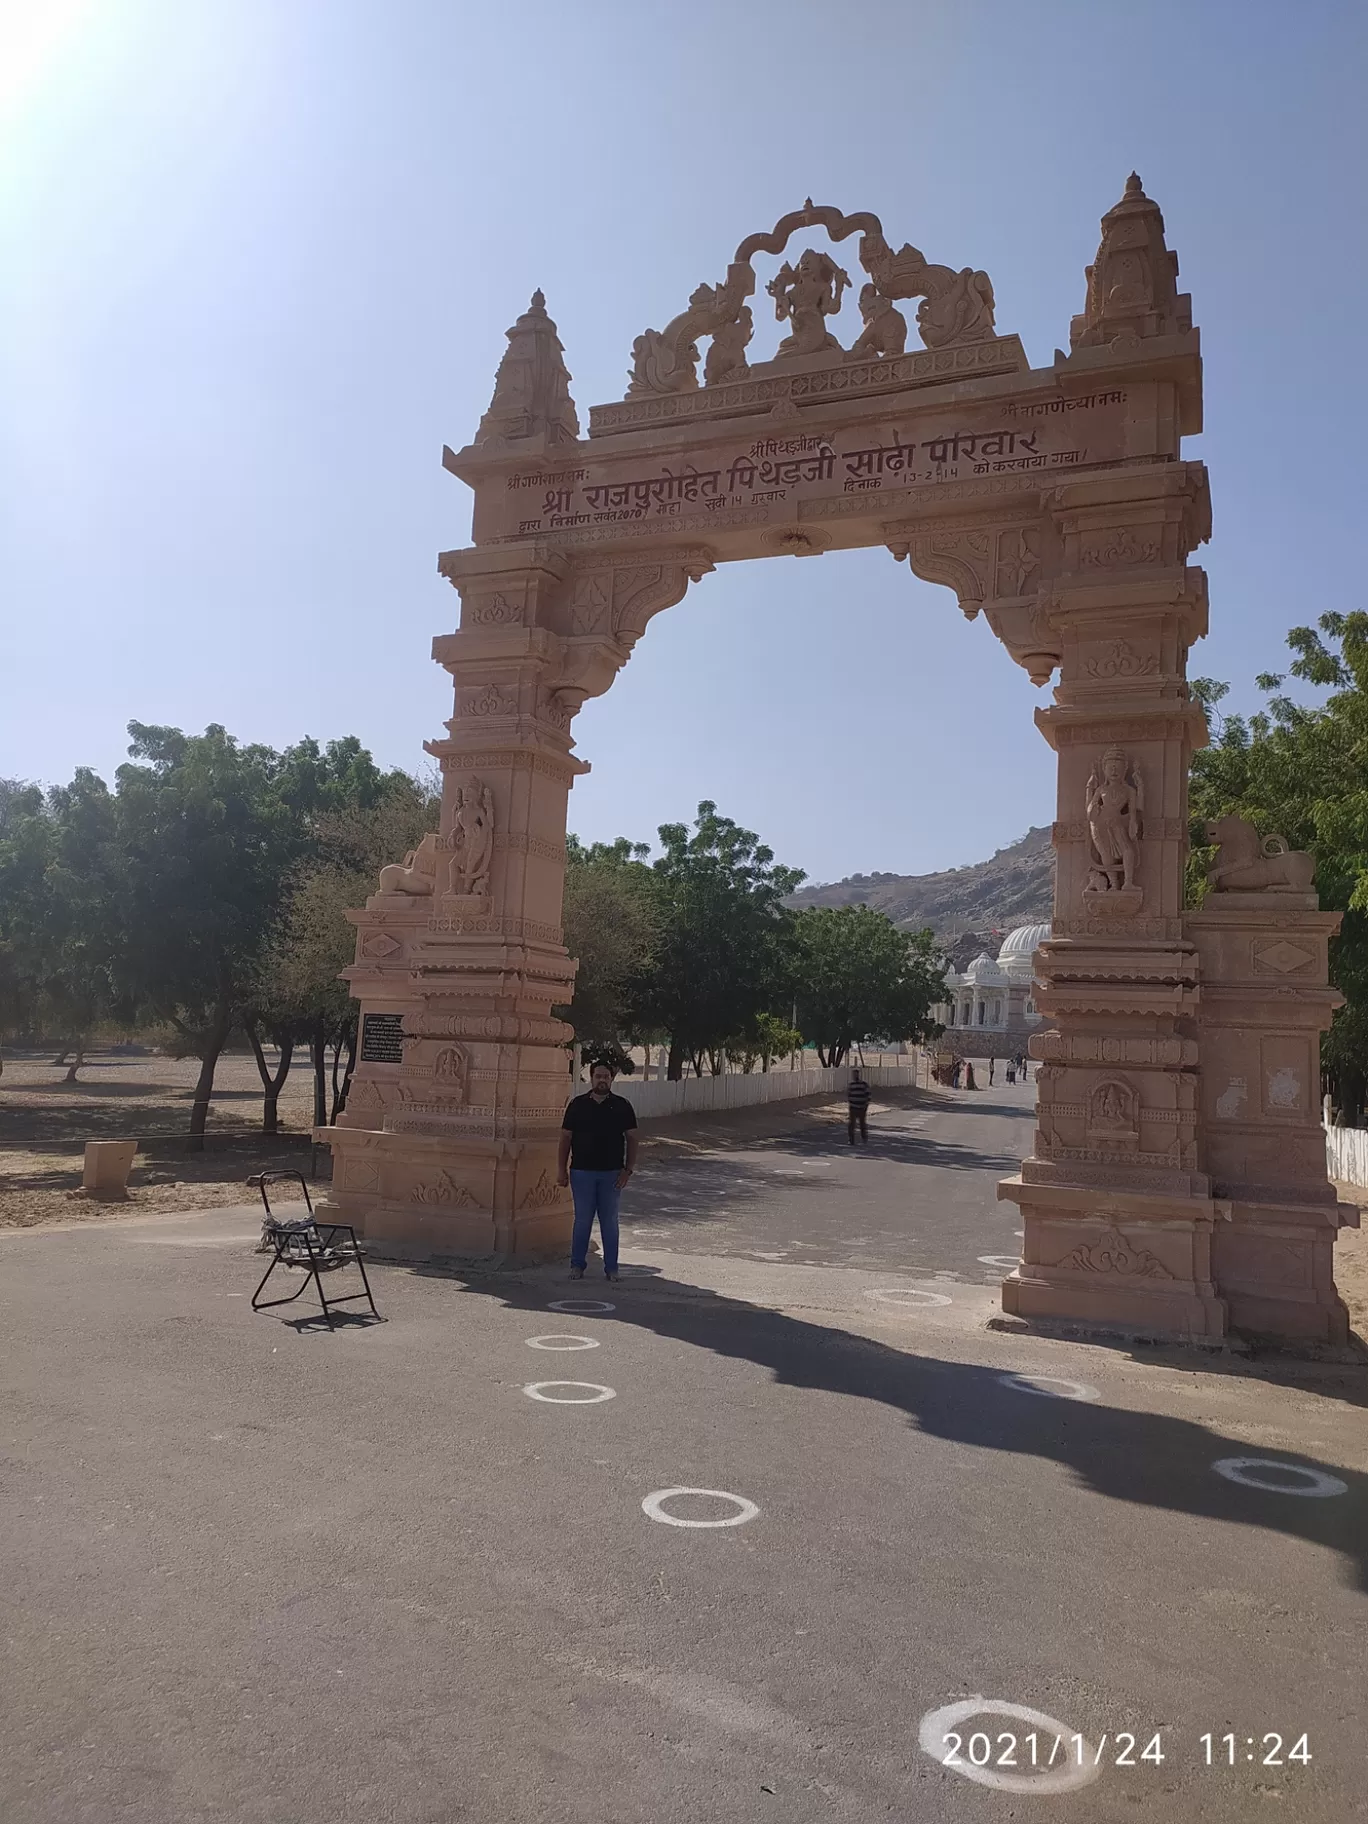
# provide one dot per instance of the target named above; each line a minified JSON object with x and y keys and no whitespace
{"x":1142,"y":1459}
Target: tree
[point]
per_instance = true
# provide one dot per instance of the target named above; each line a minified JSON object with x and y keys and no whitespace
{"x":859,"y":977}
{"x":58,"y":919}
{"x":1302,"y":772}
{"x":297,"y":994}
{"x":721,"y":955}
{"x":611,"y":929}
{"x":766,"y":1038}
{"x":206,"y":839}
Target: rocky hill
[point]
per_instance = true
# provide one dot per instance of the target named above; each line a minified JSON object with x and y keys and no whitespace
{"x":965,"y":907}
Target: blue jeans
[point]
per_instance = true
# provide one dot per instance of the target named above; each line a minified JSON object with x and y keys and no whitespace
{"x":595,"y":1193}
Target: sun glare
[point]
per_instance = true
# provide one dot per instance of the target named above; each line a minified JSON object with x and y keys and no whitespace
{"x":33,"y":34}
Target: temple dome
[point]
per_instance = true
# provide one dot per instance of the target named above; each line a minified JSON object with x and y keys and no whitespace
{"x":1024,"y":941}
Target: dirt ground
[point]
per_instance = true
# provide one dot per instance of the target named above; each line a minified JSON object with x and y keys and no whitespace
{"x":45,"y":1123}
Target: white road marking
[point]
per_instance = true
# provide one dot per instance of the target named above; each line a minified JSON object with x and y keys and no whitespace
{"x":1319,"y":1482}
{"x":913,"y":1296}
{"x":1057,"y":1389}
{"x":580,"y":1306}
{"x":562,"y":1342}
{"x":654,"y":1505}
{"x":937,"y":1725}
{"x":536,"y":1390}
{"x":1006,"y":1261}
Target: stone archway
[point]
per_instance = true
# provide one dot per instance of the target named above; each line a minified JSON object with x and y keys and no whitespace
{"x":1056,"y":503}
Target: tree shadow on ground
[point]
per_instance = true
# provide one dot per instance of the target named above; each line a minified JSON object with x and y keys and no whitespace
{"x":1140,"y":1458}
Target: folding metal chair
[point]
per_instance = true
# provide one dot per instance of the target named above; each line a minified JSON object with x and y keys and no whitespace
{"x":310,"y":1247}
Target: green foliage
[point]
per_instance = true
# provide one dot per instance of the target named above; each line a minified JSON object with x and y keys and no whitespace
{"x":613,"y":1056}
{"x":1302,"y":772}
{"x":166,"y":898}
{"x":296,"y":992}
{"x":768,"y":1037}
{"x":611,"y":927}
{"x":722,"y":953}
{"x":859,"y":977}
{"x":59,"y":915}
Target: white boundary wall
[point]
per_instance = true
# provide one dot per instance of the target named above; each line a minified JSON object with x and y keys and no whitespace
{"x":737,"y":1089}
{"x":1346,"y":1154}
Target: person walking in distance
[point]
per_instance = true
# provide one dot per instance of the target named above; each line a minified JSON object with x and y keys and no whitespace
{"x":597,"y":1156}
{"x":857,"y":1107}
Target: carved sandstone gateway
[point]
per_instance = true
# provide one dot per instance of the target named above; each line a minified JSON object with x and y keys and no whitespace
{"x":1177,"y":1183}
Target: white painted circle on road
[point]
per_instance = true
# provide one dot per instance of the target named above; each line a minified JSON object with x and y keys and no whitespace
{"x":562,"y":1342}
{"x":654,"y":1505}
{"x":580,"y":1306}
{"x":940,"y":1729}
{"x":594,"y":1394}
{"x":1006,"y":1261}
{"x":1318,"y":1481}
{"x":912,"y":1296}
{"x":1049,"y":1386}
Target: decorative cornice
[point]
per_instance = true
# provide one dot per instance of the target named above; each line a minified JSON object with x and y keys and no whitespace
{"x":848,"y":380}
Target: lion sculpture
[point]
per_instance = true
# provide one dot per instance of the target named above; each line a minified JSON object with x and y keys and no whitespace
{"x":1246,"y":864}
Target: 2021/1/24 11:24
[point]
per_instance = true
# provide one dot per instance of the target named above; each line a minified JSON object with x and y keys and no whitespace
{"x":1266,"y":1750}
{"x":1034,"y":1750}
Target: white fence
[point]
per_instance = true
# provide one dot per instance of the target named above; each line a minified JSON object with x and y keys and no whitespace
{"x":737,"y":1089}
{"x":1346,"y":1154}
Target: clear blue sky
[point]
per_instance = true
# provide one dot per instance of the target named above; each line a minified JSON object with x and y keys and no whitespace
{"x":259,"y":257}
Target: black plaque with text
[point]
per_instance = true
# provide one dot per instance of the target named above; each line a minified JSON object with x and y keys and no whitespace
{"x":382,"y":1038}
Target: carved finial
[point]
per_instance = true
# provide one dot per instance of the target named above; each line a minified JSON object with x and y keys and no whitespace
{"x":532,"y":386}
{"x":1132,"y":284}
{"x":808,"y":203}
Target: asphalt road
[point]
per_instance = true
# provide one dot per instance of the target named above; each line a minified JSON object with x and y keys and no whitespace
{"x":254,"y":1571}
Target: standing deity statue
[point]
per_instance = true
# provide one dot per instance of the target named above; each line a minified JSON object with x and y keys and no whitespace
{"x":806,"y":295}
{"x":472,"y":839}
{"x":1115,"y":803}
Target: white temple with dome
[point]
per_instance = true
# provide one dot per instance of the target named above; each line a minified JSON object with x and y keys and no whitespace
{"x":989,"y":1010}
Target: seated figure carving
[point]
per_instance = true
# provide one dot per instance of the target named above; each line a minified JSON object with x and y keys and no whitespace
{"x":805,"y":295}
{"x":416,"y":874}
{"x":1245,"y":863}
{"x":956,"y":306}
{"x":885,"y":327}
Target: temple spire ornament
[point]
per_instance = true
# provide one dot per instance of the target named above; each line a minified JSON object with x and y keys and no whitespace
{"x":1132,"y":284}
{"x":532,"y":386}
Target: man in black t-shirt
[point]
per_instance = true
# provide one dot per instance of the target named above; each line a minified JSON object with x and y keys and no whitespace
{"x":598,"y":1149}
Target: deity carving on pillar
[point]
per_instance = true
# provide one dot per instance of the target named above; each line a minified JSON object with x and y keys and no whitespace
{"x":806,"y":295}
{"x":449,"y":1071}
{"x":1115,"y":806}
{"x":472,"y":841}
